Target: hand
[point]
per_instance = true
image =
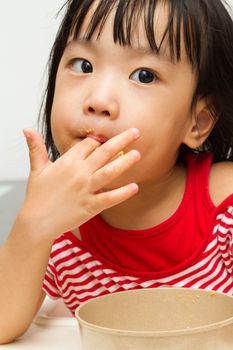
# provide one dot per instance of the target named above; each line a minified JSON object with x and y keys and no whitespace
{"x":63,"y":195}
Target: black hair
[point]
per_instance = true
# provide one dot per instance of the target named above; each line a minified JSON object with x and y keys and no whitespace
{"x":206,"y":29}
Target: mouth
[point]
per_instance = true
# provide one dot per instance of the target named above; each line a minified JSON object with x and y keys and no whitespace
{"x":98,"y":137}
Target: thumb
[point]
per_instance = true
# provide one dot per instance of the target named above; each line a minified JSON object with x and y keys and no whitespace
{"x":37,"y":150}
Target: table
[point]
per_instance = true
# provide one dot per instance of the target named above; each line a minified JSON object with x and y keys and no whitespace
{"x":47,"y":338}
{"x":52,"y":329}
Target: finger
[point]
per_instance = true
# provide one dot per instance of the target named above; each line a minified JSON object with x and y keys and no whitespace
{"x":83,"y":148}
{"x":111,"y":198}
{"x":113,"y":170}
{"x":37,"y":150}
{"x":109,"y":149}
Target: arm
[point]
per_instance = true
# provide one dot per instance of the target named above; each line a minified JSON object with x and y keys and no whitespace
{"x":23,"y":261}
{"x":60,"y":196}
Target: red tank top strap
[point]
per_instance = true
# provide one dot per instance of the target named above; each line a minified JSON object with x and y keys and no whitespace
{"x":199,"y":166}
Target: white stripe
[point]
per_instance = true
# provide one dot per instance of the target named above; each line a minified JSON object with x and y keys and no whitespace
{"x":211,"y":276}
{"x":91,"y":284}
{"x":76,"y":289}
{"x":198,"y":275}
{"x":131,"y":285}
{"x":57,"y":246}
{"x":191,"y":269}
{"x":226,"y":256}
{"x":68,"y":252}
{"x":222,"y":229}
{"x":62,"y":255}
{"x":122,"y":278}
{"x":90,"y":294}
{"x":228,"y":263}
{"x":114,"y":288}
{"x":65,"y":253}
{"x":83,"y":277}
{"x":66,"y":264}
{"x":220,"y":216}
{"x":93,"y":264}
{"x":108,"y":271}
{"x":74,"y":271}
{"x":204,"y":272}
{"x":49,"y":286}
{"x":227,"y":220}
{"x":219,"y":280}
{"x":211,"y":245}
{"x":147,"y":284}
{"x":82,"y":296}
{"x":215,"y":229}
{"x":97,"y":273}
{"x":225,"y":237}
{"x":84,"y":256}
{"x":225,"y":285}
{"x":73,"y":280}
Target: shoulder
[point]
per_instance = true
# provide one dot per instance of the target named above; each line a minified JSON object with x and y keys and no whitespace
{"x":221,"y":181}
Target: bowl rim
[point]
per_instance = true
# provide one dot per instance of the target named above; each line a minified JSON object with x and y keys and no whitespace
{"x":167,"y":333}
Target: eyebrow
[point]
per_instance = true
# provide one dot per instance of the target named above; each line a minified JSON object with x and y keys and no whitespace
{"x":148,"y":51}
{"x":138,"y":50}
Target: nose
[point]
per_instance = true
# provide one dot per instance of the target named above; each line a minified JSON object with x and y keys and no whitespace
{"x":101,"y":103}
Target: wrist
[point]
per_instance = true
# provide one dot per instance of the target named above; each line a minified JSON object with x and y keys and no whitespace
{"x":33,"y":228}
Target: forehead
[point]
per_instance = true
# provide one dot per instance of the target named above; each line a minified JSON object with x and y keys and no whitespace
{"x":139,"y":24}
{"x":131,"y":19}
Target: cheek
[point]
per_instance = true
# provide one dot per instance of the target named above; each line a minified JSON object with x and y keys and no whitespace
{"x":64,"y":114}
{"x":57,"y":122}
{"x":161,"y":134}
{"x":62,"y":126}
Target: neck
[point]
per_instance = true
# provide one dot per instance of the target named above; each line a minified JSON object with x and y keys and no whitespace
{"x":153,"y":204}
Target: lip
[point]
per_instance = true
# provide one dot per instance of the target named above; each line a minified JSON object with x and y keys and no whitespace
{"x":98,"y":137}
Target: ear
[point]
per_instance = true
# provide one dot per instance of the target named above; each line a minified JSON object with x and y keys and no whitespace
{"x":201,"y":126}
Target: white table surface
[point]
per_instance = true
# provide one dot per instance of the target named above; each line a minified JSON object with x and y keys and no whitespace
{"x":53,"y":329}
{"x":47,"y":338}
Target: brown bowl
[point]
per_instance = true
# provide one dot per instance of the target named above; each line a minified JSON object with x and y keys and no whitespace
{"x":157,"y":319}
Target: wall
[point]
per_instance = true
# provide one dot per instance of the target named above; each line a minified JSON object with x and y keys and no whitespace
{"x":27,"y":30}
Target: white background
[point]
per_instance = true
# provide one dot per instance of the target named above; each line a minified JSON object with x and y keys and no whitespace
{"x":27,"y":31}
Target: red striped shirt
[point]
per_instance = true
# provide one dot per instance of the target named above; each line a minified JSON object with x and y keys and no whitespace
{"x":77,"y":271}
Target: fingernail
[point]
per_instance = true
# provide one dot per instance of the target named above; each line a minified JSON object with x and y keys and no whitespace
{"x":136,"y":132}
{"x":135,"y":154}
{"x":26,"y":133}
{"x":134,"y":187}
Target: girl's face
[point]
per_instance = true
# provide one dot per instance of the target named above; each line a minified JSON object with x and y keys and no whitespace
{"x":103,"y":88}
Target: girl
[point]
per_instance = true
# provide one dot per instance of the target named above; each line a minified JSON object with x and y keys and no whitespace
{"x":138,"y":126}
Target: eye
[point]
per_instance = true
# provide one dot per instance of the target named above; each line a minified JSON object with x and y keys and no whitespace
{"x":81,"y":65}
{"x":143,"y":76}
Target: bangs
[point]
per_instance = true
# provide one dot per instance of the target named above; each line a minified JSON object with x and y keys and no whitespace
{"x":181,"y":28}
